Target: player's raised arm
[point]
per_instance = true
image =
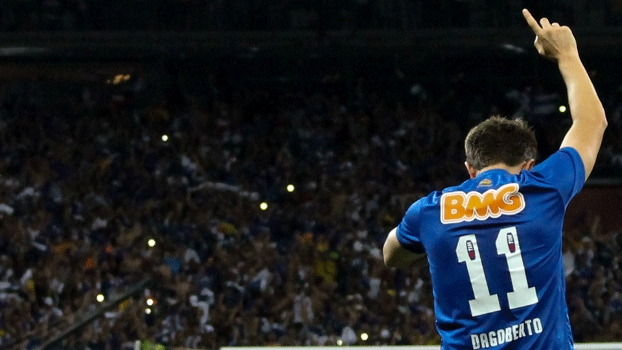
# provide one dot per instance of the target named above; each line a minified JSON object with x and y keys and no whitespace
{"x":588,"y":116}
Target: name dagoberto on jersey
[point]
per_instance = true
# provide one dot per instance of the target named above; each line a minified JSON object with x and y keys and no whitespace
{"x":507,"y":334}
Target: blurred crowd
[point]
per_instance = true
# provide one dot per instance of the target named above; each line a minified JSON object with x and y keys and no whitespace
{"x":263,"y":15}
{"x":101,"y":186}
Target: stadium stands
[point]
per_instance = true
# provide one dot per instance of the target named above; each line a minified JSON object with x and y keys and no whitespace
{"x":104,"y":185}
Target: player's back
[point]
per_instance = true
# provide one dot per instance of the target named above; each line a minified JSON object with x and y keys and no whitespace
{"x":494,"y":247}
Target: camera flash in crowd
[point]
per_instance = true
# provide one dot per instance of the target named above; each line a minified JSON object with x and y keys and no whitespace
{"x":151,"y":242}
{"x":562,"y":109}
{"x":290,"y":188}
{"x":164,"y":137}
{"x":100,"y":298}
{"x":149,"y":301}
{"x":339,"y":342}
{"x":364,"y":336}
{"x":147,"y":311}
{"x":263,"y":206}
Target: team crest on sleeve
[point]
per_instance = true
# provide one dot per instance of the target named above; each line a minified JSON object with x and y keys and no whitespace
{"x":511,"y":244}
{"x":459,"y":206}
{"x":470,"y":249}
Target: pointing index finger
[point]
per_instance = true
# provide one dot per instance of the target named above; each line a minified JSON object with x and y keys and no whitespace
{"x":531,"y":21}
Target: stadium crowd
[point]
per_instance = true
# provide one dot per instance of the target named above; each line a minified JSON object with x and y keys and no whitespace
{"x":90,"y":174}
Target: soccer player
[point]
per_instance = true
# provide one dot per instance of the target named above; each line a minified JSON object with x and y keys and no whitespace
{"x":493,"y":243}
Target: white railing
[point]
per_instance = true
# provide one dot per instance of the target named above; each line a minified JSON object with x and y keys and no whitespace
{"x":584,"y":346}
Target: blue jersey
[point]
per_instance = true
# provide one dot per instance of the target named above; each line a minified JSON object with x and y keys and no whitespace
{"x":494,"y":244}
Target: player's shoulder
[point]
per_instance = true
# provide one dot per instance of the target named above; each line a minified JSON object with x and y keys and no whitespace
{"x":564,"y":160}
{"x":427,"y":200}
{"x":561,"y":169}
{"x":432,"y":201}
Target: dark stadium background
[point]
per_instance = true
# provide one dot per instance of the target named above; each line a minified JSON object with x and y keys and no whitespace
{"x":362,"y":105}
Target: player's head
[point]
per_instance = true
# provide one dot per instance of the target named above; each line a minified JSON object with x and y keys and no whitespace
{"x":500,"y":141}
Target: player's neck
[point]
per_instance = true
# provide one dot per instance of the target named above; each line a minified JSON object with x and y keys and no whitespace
{"x":510,"y":169}
{"x":525,"y":165}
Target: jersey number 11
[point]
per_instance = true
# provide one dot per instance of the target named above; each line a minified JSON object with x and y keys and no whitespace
{"x":508,"y":245}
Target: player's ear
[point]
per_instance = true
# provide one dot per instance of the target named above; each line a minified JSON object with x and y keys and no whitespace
{"x":471,"y":170}
{"x":529,"y":164}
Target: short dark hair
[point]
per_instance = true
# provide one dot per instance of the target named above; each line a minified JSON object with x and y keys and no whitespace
{"x":500,"y":140}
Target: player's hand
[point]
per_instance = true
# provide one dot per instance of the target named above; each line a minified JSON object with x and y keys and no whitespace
{"x":552,"y":40}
